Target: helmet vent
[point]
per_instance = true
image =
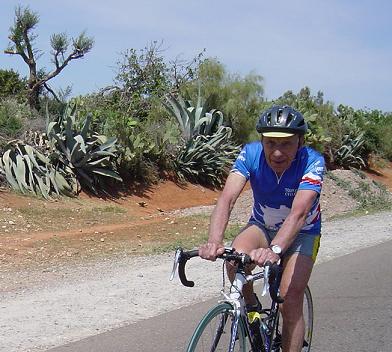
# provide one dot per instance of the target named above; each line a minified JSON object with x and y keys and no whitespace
{"x":279,"y":115}
{"x":289,"y":118}
{"x":269,"y":120}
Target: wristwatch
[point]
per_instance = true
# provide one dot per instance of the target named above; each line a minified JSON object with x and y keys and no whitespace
{"x":276,"y":249}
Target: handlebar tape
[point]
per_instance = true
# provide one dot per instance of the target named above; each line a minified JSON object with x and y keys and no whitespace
{"x":185,"y":256}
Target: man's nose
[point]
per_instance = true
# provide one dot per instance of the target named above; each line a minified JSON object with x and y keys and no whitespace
{"x":277,"y":153}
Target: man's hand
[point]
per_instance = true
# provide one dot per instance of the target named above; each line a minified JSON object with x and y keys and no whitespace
{"x":262,"y":255}
{"x":211,"y":250}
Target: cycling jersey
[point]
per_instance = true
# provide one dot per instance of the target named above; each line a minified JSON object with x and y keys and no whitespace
{"x":273,"y":196}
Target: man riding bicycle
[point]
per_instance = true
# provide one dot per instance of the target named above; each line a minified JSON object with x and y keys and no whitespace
{"x":286,"y":179}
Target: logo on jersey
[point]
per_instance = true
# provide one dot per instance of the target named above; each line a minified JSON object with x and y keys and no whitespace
{"x":242,"y":155}
{"x":290,"y":192}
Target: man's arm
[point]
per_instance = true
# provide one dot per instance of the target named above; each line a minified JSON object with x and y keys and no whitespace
{"x":220,"y":216}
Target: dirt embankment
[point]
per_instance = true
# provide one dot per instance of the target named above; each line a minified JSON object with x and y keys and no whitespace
{"x":35,"y":233}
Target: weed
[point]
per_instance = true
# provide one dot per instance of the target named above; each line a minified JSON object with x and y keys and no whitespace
{"x":109,"y":209}
{"x":371,"y":196}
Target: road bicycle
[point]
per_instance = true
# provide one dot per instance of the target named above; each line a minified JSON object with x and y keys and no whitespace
{"x":226,"y":327}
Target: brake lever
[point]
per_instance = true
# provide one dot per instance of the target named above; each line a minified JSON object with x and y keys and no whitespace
{"x":177,"y":257}
{"x":266,"y":280}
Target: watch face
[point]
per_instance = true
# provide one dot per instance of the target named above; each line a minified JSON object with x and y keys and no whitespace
{"x":276,"y":249}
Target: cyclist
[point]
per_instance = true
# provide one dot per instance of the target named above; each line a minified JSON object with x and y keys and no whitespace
{"x":286,"y":179}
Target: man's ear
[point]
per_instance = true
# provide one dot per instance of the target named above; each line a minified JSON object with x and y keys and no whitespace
{"x":301,"y":142}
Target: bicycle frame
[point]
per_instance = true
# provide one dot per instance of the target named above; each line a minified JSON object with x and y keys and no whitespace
{"x":236,"y":299}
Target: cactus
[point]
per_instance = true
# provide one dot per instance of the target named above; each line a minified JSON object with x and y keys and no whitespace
{"x":208,"y":149}
{"x":348,"y":155}
{"x":206,"y":159}
{"x":88,"y":155}
{"x":27,"y":170}
{"x":62,"y":160}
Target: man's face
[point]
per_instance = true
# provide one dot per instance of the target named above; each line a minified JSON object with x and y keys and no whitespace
{"x":280,"y":152}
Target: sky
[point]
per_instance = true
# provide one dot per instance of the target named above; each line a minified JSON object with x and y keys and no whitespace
{"x":340,"y":47}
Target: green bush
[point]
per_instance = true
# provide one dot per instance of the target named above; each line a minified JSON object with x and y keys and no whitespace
{"x":146,"y":146}
{"x":375,"y":126}
{"x":16,"y":118}
{"x":10,"y":124}
{"x":318,"y":114}
{"x":209,"y":149}
{"x":11,"y":85}
{"x":240,"y":98}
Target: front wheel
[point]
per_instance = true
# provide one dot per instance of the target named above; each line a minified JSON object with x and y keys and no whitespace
{"x":213,"y":334}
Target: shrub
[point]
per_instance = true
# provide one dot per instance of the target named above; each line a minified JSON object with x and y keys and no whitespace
{"x":11,"y":85}
{"x":67,"y":156}
{"x":209,"y":149}
{"x":240,"y":98}
{"x":16,"y":118}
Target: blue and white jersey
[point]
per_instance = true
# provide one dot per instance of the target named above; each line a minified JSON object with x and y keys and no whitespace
{"x":273,"y":196}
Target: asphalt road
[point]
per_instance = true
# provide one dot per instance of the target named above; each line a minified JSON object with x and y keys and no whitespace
{"x":353,"y":311}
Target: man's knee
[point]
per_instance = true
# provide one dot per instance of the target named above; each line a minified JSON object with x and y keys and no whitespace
{"x":292,"y":308}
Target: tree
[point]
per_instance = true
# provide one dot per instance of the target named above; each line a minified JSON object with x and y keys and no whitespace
{"x":240,"y":98}
{"x":22,"y":43}
{"x":10,"y":83}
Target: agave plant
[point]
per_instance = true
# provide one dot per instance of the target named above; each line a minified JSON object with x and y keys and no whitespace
{"x":348,"y":155}
{"x":193,"y":120}
{"x":28,"y":170}
{"x":208,"y":149}
{"x":206,"y":159}
{"x":61,"y":160}
{"x":88,"y":155}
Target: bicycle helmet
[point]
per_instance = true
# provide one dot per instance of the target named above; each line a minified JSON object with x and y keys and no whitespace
{"x":281,"y":121}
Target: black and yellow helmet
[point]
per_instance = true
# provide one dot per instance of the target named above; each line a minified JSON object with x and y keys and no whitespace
{"x":281,"y":121}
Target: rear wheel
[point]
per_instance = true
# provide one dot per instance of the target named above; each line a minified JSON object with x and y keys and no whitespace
{"x":308,"y":317}
{"x":213,"y":334}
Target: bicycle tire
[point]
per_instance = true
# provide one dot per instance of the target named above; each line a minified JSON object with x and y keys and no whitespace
{"x":213,"y":334}
{"x":308,"y":317}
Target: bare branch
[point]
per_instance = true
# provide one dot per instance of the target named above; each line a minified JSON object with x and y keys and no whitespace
{"x":11,"y":52}
{"x":28,"y":45}
{"x":73,"y":56}
{"x":50,"y":90}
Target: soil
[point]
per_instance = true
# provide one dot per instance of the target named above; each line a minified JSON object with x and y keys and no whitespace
{"x":36,"y":233}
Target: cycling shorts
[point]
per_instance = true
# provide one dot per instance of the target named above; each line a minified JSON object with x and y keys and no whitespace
{"x":304,"y":243}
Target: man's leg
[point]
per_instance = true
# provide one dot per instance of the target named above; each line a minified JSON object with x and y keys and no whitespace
{"x":251,"y":237}
{"x":296,"y":274}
